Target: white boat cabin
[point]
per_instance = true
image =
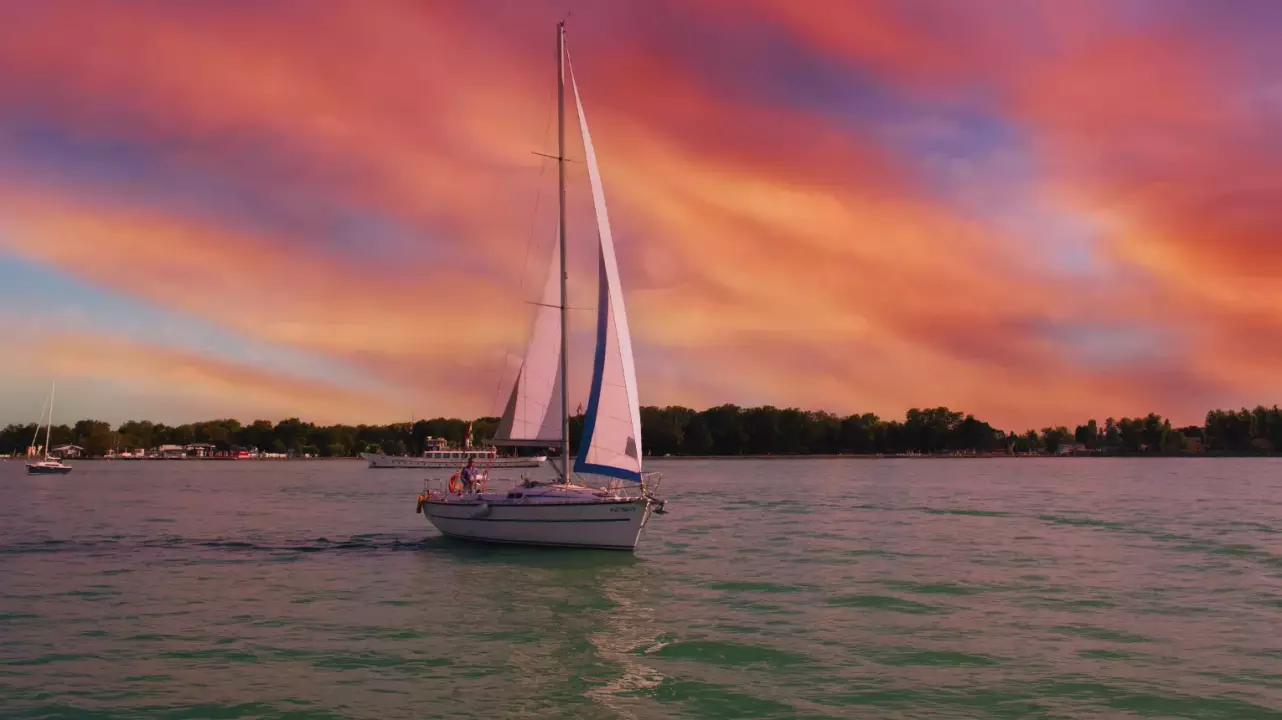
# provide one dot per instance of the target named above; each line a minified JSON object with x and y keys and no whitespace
{"x":462,"y":455}
{"x":436,"y":448}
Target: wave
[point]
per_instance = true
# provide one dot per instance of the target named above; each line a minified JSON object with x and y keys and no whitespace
{"x":374,"y":542}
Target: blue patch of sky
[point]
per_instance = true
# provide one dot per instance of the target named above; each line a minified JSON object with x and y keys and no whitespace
{"x":985,"y":168}
{"x":963,"y":153}
{"x":243,"y":184}
{"x":1108,"y":345}
{"x":49,"y":300}
{"x":766,"y":67}
{"x":1253,"y":20}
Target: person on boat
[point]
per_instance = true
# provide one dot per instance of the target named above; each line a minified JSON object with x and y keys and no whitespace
{"x":468,"y":476}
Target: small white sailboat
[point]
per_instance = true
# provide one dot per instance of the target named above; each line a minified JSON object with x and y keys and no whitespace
{"x":49,"y":465}
{"x":612,"y":500}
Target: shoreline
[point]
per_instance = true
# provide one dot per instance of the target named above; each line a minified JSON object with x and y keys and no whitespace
{"x":964,"y":456}
{"x":188,"y":459}
{"x":651,"y":458}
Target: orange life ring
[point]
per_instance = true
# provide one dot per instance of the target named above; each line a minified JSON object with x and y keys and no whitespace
{"x":454,"y":483}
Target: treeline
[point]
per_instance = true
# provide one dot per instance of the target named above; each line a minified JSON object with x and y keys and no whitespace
{"x":729,"y":430}
{"x":723,"y":430}
{"x":287,"y":436}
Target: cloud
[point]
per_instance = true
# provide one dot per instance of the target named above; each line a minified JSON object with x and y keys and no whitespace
{"x":1170,"y":140}
{"x":858,"y":206}
{"x":155,"y":372}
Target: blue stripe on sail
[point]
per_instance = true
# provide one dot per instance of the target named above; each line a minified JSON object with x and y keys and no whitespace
{"x":608,"y":471}
{"x":598,"y":372}
{"x":581,"y":465}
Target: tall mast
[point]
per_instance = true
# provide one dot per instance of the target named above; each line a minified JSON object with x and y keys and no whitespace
{"x":565,"y":304}
{"x":35,"y":436}
{"x":49,"y":426}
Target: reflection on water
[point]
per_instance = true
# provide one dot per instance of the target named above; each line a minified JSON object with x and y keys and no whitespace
{"x":1007,"y":588}
{"x":624,"y":632}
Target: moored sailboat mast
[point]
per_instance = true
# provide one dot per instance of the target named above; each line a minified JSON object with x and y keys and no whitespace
{"x":49,"y":423}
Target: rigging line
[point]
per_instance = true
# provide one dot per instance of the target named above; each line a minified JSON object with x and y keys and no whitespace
{"x":529,"y":240}
{"x":40,"y":421}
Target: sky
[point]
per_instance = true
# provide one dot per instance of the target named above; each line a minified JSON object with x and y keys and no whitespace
{"x":1039,"y":212}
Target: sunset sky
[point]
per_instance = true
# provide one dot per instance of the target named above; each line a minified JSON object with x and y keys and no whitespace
{"x":1038,"y":212}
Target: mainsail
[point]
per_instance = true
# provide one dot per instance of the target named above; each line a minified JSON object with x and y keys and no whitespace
{"x":611,"y":443}
{"x":533,"y":413}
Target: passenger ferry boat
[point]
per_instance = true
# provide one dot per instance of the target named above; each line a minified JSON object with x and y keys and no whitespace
{"x":442,"y":457}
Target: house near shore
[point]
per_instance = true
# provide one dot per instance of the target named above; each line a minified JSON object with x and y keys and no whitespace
{"x":1194,"y":439}
{"x":67,"y":451}
{"x":192,"y":450}
{"x":1071,"y":448}
{"x":171,"y":452}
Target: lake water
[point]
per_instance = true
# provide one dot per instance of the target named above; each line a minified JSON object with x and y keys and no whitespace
{"x":791,"y":589}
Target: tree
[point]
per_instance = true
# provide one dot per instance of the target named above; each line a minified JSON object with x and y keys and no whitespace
{"x":135,"y":435}
{"x":663,"y":429}
{"x":858,"y":434}
{"x":1087,"y":435}
{"x":1134,"y":434}
{"x":1029,"y":442}
{"x":698,"y":439}
{"x":976,"y":436}
{"x":929,"y":431}
{"x":259,"y":435}
{"x":822,"y":432}
{"x":96,"y":437}
{"x":1053,"y":438}
{"x":721,"y":430}
{"x":1155,"y":431}
{"x":725,"y":424}
{"x":1174,"y":443}
{"x":794,"y":429}
{"x":16,"y":438}
{"x":761,"y":430}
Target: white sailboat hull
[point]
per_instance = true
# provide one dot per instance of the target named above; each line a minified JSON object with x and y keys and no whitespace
{"x":378,"y":460}
{"x":47,"y":467}
{"x":609,"y":525}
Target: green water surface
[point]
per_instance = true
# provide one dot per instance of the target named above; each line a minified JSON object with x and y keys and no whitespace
{"x":772,"y":589}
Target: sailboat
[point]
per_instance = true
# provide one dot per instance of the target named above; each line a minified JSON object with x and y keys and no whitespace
{"x":606,"y":499}
{"x":48,"y":465}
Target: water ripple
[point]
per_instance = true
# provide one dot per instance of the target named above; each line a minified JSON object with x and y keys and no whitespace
{"x":950,"y":589}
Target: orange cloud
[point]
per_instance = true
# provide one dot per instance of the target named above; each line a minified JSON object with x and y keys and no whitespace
{"x":770,"y":252}
{"x":1165,"y":139}
{"x":153,"y":371}
{"x":251,"y":284}
{"x":1170,"y":140}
